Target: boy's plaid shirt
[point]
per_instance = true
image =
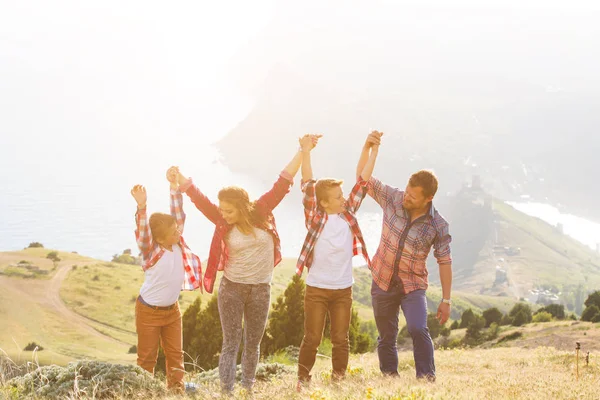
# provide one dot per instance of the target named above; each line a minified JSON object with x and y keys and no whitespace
{"x":315,"y":219}
{"x":408,"y":257}
{"x":152,"y":252}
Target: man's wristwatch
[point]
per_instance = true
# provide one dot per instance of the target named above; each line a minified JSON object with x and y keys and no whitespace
{"x":447,"y":301}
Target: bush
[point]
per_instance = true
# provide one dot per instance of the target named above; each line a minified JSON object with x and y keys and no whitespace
{"x":492,"y":315}
{"x":590,"y":313}
{"x":511,"y":336}
{"x":433,"y":324}
{"x":520,"y":319}
{"x":473,"y":335}
{"x":125,"y":259}
{"x":455,"y":325}
{"x":32,"y":346}
{"x":467,"y":317}
{"x":96,"y":278}
{"x":556,"y":310}
{"x":506,"y":320}
{"x":493,"y":331}
{"x":264,"y":372}
{"x":82,"y":378}
{"x":132,"y":350}
{"x":542,"y":317}
{"x":445,"y":332}
{"x":34,"y":245}
{"x":287,"y":356}
{"x":524,"y":308}
{"x":593,"y":299}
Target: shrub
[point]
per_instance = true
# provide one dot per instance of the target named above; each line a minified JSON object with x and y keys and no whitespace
{"x":32,"y":346}
{"x":96,"y":278}
{"x":493,"y":331}
{"x":82,"y":378}
{"x":132,"y":349}
{"x":467,"y":317}
{"x":264,"y":372}
{"x":506,"y":320}
{"x":542,"y":317}
{"x":525,"y":309}
{"x":473,"y":335}
{"x":590,"y":313}
{"x":556,"y":310}
{"x":433,"y":324}
{"x":593,"y":299}
{"x":520,"y":318}
{"x":455,"y":325}
{"x":34,"y":245}
{"x":492,"y":315}
{"x":511,"y":336}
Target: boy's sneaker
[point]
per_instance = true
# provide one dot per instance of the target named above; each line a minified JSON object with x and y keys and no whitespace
{"x":191,"y":388}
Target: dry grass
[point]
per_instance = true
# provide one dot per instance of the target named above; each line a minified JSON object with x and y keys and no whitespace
{"x":542,"y":373}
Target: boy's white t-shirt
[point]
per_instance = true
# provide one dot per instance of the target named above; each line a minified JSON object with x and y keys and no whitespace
{"x":332,"y":256}
{"x":163,"y":282}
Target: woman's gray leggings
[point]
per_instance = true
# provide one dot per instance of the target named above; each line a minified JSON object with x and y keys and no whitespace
{"x":251,"y":303}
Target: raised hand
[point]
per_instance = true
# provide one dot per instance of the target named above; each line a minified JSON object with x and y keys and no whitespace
{"x":309,"y":141}
{"x":374,"y":139}
{"x":181,"y":179}
{"x":139,"y":194}
{"x":172,"y":174}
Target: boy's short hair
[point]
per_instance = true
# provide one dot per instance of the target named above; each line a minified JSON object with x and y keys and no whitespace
{"x":426,"y":180}
{"x":160,"y":224}
{"x":323,"y":186}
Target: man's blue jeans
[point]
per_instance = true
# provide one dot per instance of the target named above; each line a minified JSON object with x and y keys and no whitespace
{"x":386,"y":307}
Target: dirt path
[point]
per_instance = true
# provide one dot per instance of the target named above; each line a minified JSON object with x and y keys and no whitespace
{"x":46,"y":293}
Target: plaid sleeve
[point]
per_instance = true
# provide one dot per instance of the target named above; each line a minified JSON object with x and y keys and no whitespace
{"x":381,"y":192}
{"x":358,"y":193}
{"x":441,"y":244}
{"x":177,"y":208}
{"x":142,"y":234}
{"x":309,"y":201}
{"x":271,"y":199}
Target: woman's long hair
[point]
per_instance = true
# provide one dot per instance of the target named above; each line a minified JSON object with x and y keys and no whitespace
{"x":249,"y":217}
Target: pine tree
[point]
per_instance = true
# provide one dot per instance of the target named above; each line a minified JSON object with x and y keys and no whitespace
{"x":202,"y":335}
{"x":286,"y":323}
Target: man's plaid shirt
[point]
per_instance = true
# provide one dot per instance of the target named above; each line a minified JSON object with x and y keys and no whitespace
{"x":152,"y":252}
{"x":411,"y":254}
{"x":315,"y":219}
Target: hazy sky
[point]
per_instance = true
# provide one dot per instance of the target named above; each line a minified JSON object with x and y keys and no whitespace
{"x":110,"y":73}
{"x":96,"y":96}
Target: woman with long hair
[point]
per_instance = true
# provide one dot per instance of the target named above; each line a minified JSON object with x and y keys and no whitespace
{"x":246,"y":247}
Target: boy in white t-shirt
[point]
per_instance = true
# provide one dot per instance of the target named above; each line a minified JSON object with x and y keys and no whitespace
{"x":333,"y":238}
{"x":169,"y":267}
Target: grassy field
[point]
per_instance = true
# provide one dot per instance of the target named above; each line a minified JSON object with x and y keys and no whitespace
{"x":85,"y":308}
{"x":547,"y":256}
{"x":32,"y":263}
{"x":105,"y":292}
{"x":499,"y":373}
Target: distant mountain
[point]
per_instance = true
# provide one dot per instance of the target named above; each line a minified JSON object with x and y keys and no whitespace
{"x":519,"y":139}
